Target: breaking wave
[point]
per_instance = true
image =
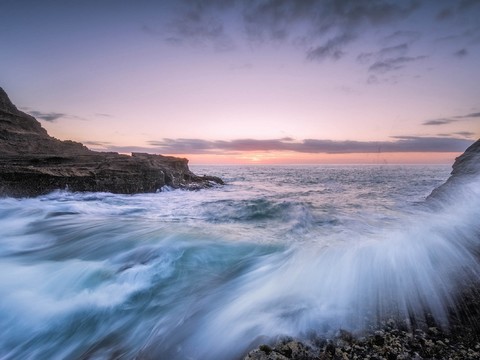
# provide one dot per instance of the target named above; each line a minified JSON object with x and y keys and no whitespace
{"x":209,"y":274}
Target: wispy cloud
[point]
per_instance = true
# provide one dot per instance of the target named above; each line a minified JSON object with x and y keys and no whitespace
{"x":97,"y":143}
{"x":332,"y":49}
{"x":472,"y":115}
{"x":384,"y":53}
{"x":51,"y":116}
{"x":468,"y":33}
{"x":467,"y":134}
{"x":464,"y":133}
{"x":150,"y":31}
{"x":400,"y":37}
{"x":384,"y":64}
{"x":393,"y":64}
{"x":444,"y":14}
{"x":391,"y":51}
{"x":47,"y":116}
{"x":461,"y":53}
{"x":439,"y":122}
{"x":199,"y":24}
{"x":312,"y":146}
{"x":325,"y":28}
{"x":454,"y":8}
{"x":452,"y":119}
{"x":265,"y":19}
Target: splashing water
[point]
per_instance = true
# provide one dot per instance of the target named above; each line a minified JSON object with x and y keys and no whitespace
{"x":208,"y":274}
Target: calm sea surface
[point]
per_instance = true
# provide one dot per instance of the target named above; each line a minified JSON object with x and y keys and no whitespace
{"x":211,"y":273}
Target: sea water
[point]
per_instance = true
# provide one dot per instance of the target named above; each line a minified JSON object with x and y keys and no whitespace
{"x":209,"y":274}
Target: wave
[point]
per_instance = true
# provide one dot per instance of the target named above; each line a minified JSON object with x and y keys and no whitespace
{"x":184,"y":275}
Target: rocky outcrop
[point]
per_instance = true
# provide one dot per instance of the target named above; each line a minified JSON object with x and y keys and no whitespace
{"x":464,"y":169}
{"x":22,"y":135}
{"x":33,"y":163}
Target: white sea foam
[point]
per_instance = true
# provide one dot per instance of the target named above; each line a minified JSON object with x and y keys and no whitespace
{"x":206,"y":274}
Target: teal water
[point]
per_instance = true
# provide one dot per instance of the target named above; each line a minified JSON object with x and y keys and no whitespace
{"x":211,"y":273}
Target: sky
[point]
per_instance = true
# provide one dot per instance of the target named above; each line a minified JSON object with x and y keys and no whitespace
{"x":252,"y":81}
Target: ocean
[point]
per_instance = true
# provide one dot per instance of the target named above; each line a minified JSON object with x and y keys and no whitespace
{"x":209,"y":274}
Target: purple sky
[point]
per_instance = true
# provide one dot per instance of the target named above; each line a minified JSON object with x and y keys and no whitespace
{"x":233,"y":81}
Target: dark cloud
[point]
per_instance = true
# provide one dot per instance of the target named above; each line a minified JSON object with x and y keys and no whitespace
{"x":446,"y":13}
{"x":393,"y":64}
{"x":150,"y":30}
{"x":204,"y":146}
{"x":451,"y":119}
{"x":373,"y":80}
{"x":198,"y":23}
{"x":324,"y":28}
{"x":455,"y":8}
{"x":365,"y":58}
{"x":469,"y":36}
{"x":472,"y":115}
{"x":275,"y":20}
{"x":401,"y":36}
{"x":439,"y":121}
{"x":51,"y":116}
{"x":461,"y":20}
{"x":383,"y":54}
{"x":461,"y":53}
{"x":465,"y":5}
{"x":327,"y":29}
{"x":311,"y":146}
{"x":183,"y":145}
{"x":332,"y":49}
{"x":400,"y":144}
{"x":392,"y":57}
{"x":379,"y":79}
{"x":430,"y":144}
{"x":97,"y":143}
{"x":391,"y":51}
{"x":465,"y":133}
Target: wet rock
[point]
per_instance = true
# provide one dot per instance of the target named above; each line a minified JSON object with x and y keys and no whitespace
{"x":286,"y":349}
{"x":33,"y":163}
{"x":384,"y":344}
{"x":465,"y":167}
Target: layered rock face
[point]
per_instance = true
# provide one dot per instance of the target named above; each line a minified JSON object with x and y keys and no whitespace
{"x":33,"y":163}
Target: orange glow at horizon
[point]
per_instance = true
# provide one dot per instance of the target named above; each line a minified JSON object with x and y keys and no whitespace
{"x":292,"y":158}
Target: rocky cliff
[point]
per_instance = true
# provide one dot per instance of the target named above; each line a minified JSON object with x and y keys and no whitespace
{"x":464,"y":169}
{"x":33,"y":163}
